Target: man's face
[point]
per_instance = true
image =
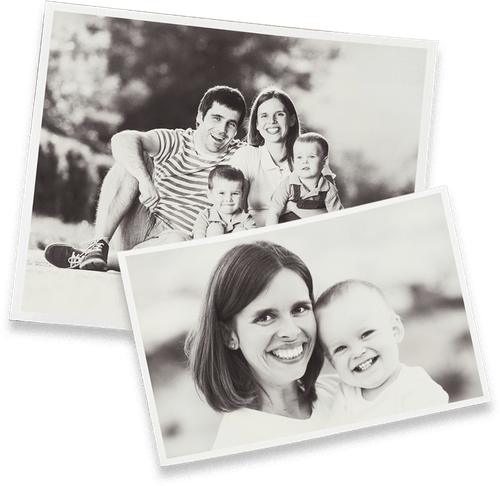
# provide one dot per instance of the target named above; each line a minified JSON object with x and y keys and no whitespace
{"x":216,"y":129}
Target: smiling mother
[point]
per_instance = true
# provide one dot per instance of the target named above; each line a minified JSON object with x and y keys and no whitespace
{"x":254,"y":354}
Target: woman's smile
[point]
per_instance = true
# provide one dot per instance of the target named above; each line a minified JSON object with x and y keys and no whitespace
{"x":276,"y":332}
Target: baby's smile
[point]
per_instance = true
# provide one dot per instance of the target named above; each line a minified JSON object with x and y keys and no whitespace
{"x":365,"y":364}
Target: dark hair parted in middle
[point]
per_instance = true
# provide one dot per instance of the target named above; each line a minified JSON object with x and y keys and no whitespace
{"x":241,"y":275}
{"x":254,"y":137}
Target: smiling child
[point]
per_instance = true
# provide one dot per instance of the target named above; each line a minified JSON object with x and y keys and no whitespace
{"x":225,"y":191}
{"x":306,"y":192}
{"x":360,"y":334}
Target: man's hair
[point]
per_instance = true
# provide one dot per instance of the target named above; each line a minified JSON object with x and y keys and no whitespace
{"x":224,"y":376}
{"x":226,"y":172}
{"x":312,"y":137}
{"x":224,"y":95}
{"x":341,"y":288}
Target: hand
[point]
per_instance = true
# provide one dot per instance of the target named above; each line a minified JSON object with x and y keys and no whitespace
{"x":149,"y":196}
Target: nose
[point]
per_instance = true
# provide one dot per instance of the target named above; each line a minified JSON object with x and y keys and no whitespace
{"x":358,"y":350}
{"x":288,"y":328}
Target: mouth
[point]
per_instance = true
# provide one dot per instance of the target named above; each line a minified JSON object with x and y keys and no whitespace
{"x":272,"y":130}
{"x":289,"y":354}
{"x":218,"y":139}
{"x":365,"y":365}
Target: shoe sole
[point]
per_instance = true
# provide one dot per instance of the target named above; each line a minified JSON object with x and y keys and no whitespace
{"x":96,"y":264}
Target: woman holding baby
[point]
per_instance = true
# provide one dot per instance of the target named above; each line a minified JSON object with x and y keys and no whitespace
{"x":254,"y":354}
{"x":256,"y":358}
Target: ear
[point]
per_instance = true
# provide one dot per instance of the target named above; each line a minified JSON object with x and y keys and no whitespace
{"x":231,"y":340}
{"x":199,"y":119}
{"x":293,"y":120}
{"x":209,"y":195}
{"x":398,"y":329}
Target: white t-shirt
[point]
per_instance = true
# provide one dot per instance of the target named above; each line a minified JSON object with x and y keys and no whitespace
{"x":246,"y":426}
{"x":412,"y":390}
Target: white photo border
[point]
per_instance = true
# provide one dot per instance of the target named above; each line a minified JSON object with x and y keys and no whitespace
{"x":116,"y":317}
{"x":392,"y":206}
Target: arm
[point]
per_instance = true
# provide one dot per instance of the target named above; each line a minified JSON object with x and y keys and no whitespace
{"x":273,"y":216}
{"x":332,"y":201}
{"x":278,"y":202}
{"x":200,"y":226}
{"x":127,"y":148}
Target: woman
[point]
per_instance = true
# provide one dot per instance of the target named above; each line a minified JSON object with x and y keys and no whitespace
{"x":273,"y":128}
{"x":254,"y":354}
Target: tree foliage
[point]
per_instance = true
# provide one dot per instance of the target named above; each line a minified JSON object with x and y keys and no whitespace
{"x":107,"y":74}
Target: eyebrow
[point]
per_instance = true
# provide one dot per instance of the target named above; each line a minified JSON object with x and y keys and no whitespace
{"x":270,"y":310}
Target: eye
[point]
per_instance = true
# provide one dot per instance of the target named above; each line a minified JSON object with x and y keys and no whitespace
{"x":232,"y":124}
{"x":339,"y":349}
{"x":366,"y":334}
{"x":264,"y":319}
{"x":301,"y":309}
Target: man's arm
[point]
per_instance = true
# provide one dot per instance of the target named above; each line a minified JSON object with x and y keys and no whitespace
{"x":127,"y":148}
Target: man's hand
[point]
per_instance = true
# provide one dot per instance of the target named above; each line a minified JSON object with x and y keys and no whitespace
{"x":149,"y":196}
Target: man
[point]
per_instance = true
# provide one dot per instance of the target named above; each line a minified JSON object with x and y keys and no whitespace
{"x":168,"y":169}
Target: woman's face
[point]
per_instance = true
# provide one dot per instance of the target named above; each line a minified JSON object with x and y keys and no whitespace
{"x":276,"y":332}
{"x":274,"y":121}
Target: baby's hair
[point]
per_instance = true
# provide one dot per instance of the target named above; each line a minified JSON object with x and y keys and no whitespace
{"x":313,"y":137}
{"x":227,"y":173}
{"x":341,"y":288}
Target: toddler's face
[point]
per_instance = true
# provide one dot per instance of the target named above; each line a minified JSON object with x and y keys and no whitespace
{"x":308,"y":159}
{"x":361,"y":335}
{"x":225,"y":195}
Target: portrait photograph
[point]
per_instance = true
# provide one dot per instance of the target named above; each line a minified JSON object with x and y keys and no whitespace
{"x":308,"y":329}
{"x":119,"y":91}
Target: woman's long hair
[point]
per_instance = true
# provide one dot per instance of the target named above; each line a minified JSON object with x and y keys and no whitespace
{"x":223,"y":375}
{"x":254,"y":137}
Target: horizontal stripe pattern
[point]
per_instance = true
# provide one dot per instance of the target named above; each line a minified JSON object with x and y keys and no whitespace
{"x":181,"y":177}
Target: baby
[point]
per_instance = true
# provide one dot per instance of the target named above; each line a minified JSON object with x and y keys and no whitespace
{"x":306,"y":192}
{"x":360,"y":334}
{"x":225,"y":191}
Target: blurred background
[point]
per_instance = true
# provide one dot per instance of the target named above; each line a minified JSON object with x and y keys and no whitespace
{"x":106,"y":74}
{"x":404,"y":248}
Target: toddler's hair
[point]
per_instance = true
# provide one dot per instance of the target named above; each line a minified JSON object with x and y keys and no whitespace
{"x":341,"y":288}
{"x":226,"y":172}
{"x":313,"y":137}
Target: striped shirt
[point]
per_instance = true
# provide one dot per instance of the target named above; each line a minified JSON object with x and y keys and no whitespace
{"x":181,"y":177}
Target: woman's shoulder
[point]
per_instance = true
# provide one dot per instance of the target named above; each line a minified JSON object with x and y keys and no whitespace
{"x":246,"y":153}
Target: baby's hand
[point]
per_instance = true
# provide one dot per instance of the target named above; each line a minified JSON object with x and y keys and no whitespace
{"x":215,"y":229}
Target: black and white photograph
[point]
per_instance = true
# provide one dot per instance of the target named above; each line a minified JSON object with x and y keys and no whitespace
{"x":133,"y":110}
{"x":321,"y":326}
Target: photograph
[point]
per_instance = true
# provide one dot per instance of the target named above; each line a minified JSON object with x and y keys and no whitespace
{"x":321,"y":326}
{"x":133,"y":111}
{"x":88,"y":400}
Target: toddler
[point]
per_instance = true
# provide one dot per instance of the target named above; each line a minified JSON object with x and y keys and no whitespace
{"x":306,"y":192}
{"x":360,"y":334}
{"x":225,"y":191}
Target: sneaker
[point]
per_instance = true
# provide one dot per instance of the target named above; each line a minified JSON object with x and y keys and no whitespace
{"x":63,"y":255}
{"x":95,"y":257}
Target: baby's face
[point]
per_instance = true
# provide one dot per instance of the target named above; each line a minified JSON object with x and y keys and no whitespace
{"x":225,"y":195}
{"x":361,"y":335}
{"x":308,"y":159}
